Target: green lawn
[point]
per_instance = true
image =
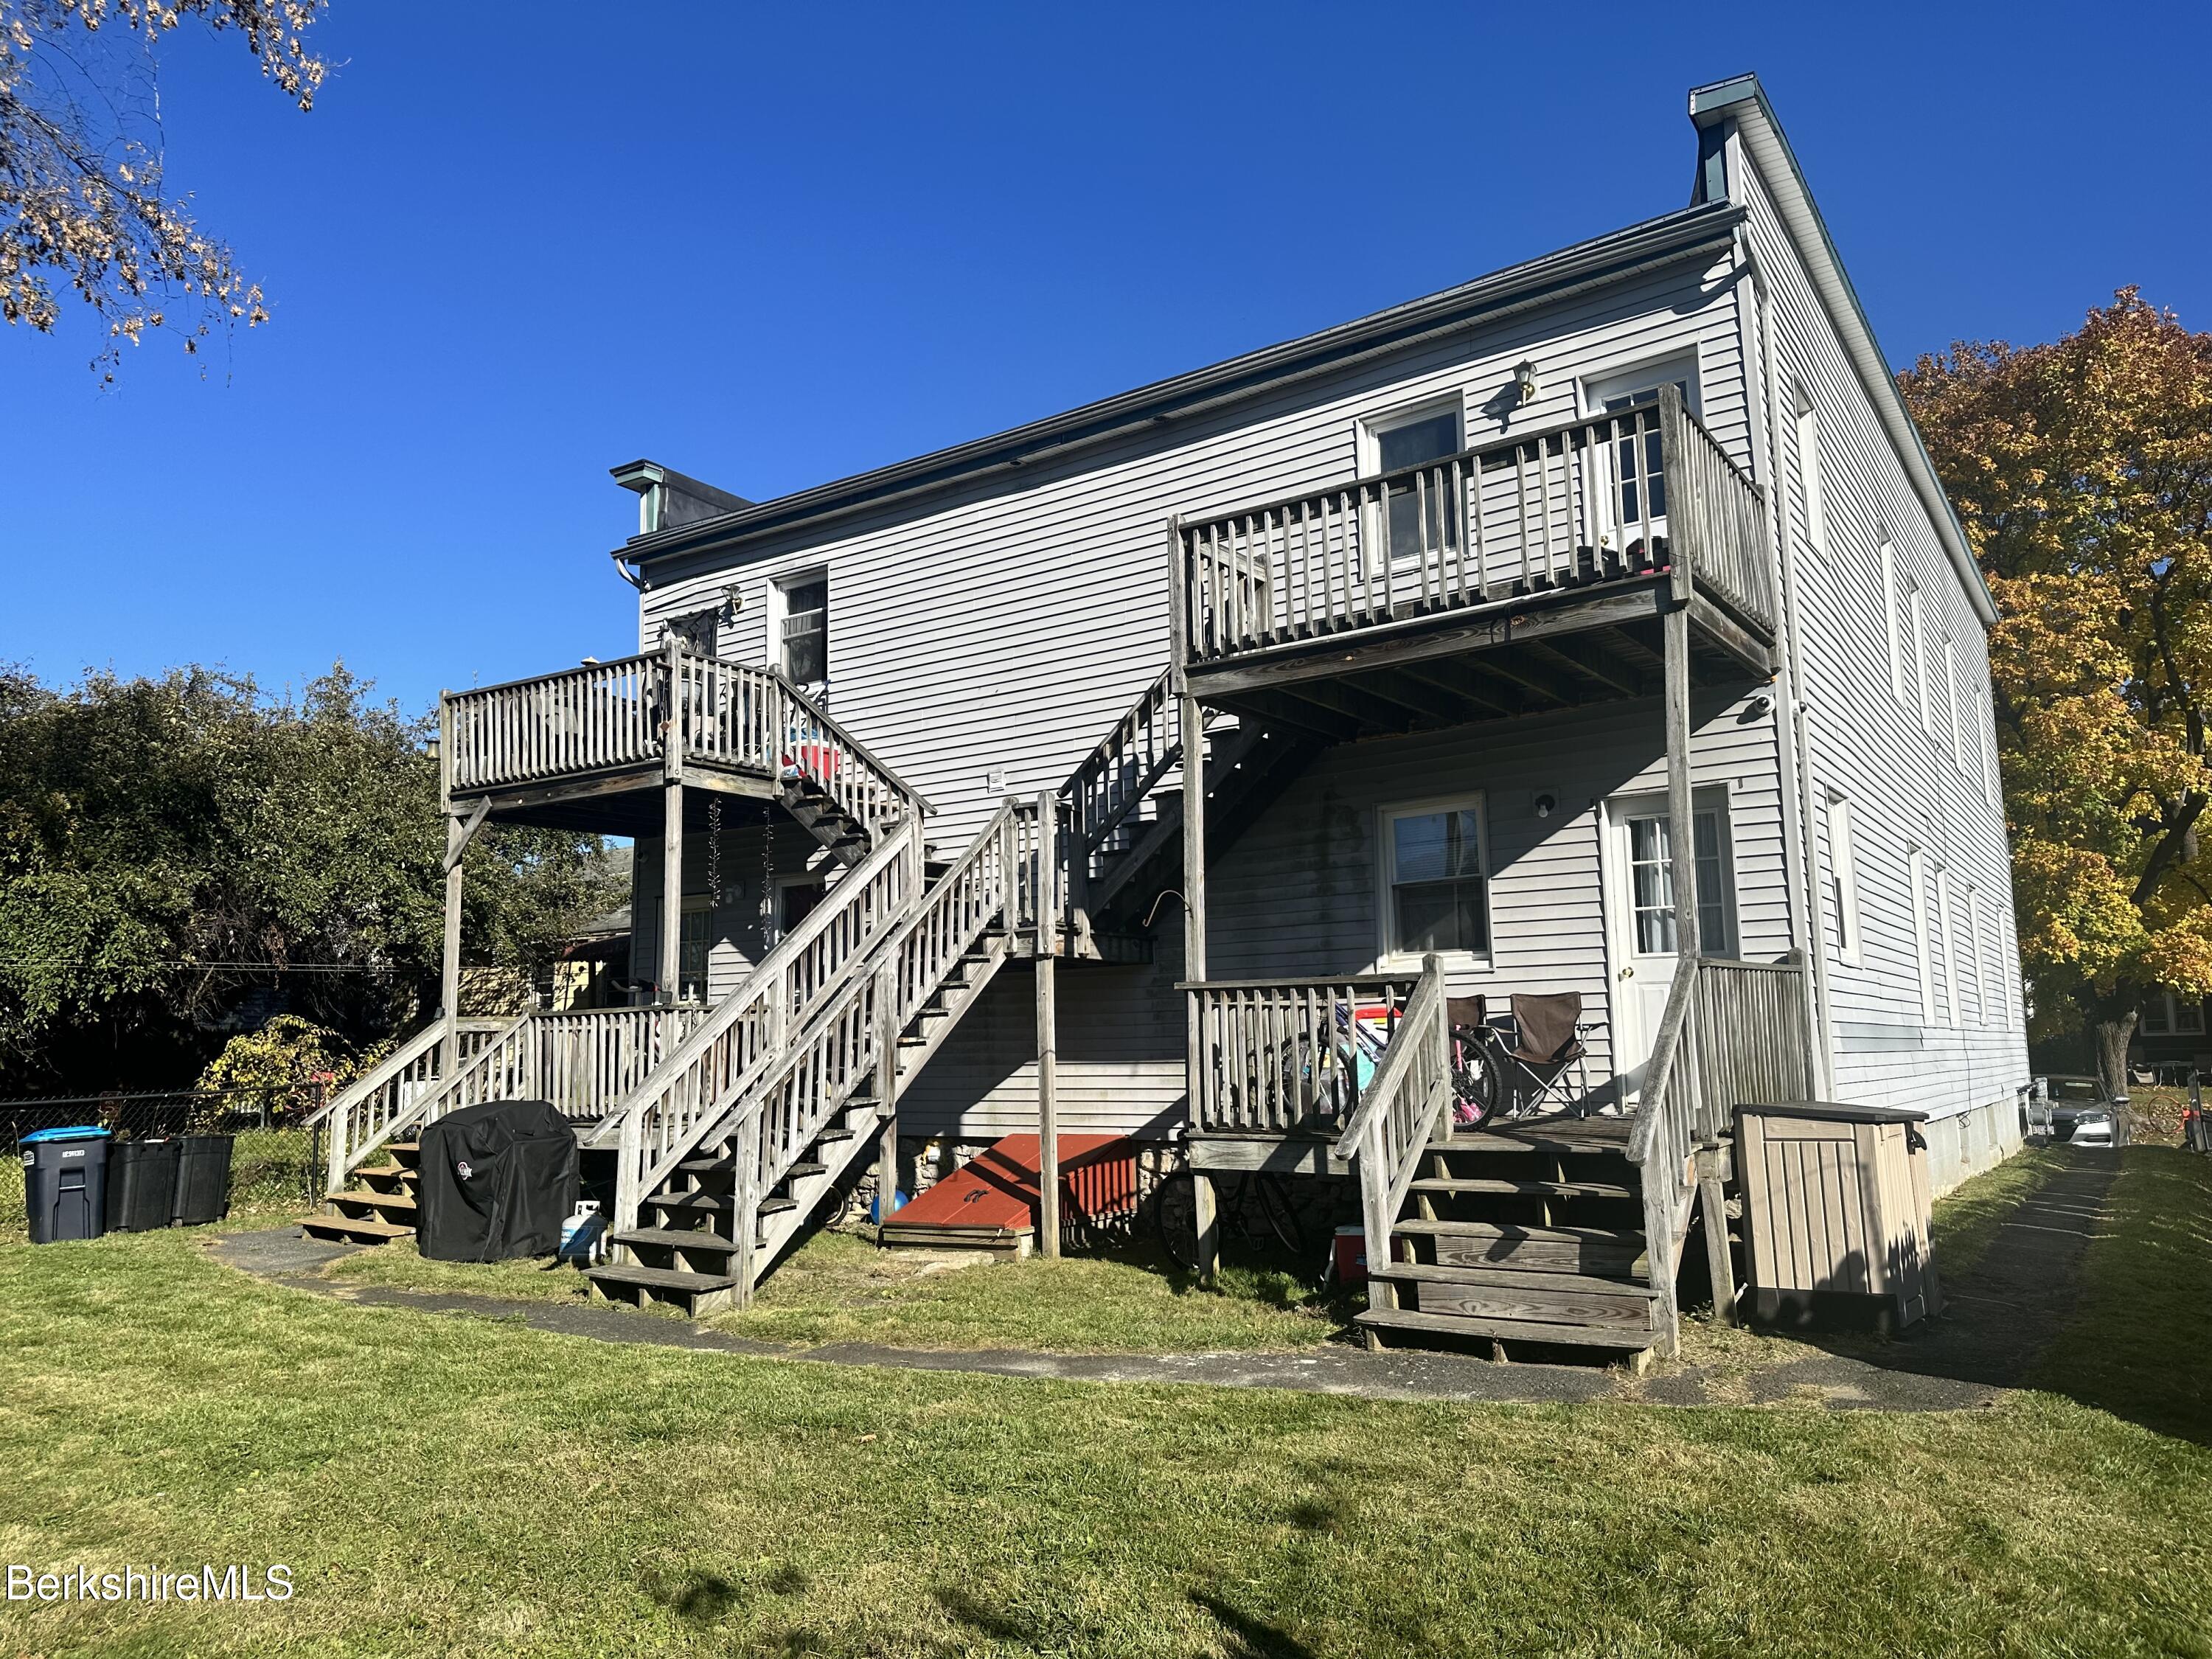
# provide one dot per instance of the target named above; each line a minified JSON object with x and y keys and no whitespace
{"x":447,"y":1485}
{"x":838,"y":1287}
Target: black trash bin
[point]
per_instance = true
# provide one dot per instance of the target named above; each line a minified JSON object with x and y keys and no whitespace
{"x":142,"y":1184}
{"x":496,"y":1181}
{"x":65,"y":1182}
{"x":202,"y":1179}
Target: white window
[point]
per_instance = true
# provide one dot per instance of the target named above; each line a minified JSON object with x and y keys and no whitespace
{"x":1985,"y":726}
{"x":1420,"y":514}
{"x":1920,"y":659}
{"x":1844,"y":879}
{"x":2169,"y":1015}
{"x":1808,"y":473}
{"x":1951,"y":701}
{"x":1892,"y":621}
{"x":805,"y":627}
{"x":1949,"y":946}
{"x":1435,"y":877}
{"x":1915,"y":868}
{"x":692,"y":950}
{"x":1639,"y":492}
{"x":1651,"y":883}
{"x":1976,"y":956}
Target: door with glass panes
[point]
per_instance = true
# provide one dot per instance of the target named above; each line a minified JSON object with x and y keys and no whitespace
{"x":1640,"y":915}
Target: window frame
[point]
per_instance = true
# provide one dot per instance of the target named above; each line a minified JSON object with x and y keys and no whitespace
{"x":1709,"y":800}
{"x":1894,"y":620}
{"x":1917,"y":895}
{"x":1920,"y":675}
{"x":784,"y":586}
{"x":1392,"y":954}
{"x":1373,"y":429}
{"x":1946,"y":941}
{"x":1844,"y":879}
{"x":1812,"y":490}
{"x":1676,"y":369}
{"x":1951,"y":703}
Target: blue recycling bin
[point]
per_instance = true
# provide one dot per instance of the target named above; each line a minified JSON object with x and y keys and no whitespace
{"x":65,"y":1182}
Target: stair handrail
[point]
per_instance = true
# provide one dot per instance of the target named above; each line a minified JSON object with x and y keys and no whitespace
{"x":783,"y":1110}
{"x":670,"y":1113}
{"x":500,"y":1040}
{"x":363,"y":1105}
{"x":1397,"y":1116}
{"x":1662,"y":1142}
{"x":806,"y":734}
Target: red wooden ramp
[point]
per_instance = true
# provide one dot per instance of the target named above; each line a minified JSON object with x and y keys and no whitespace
{"x":991,"y":1202}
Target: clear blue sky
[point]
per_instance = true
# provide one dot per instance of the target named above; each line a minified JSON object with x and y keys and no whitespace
{"x":513,"y":246}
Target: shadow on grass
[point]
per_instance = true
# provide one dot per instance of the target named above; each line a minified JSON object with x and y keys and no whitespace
{"x":2091,"y":1285}
{"x":965,"y":1610}
{"x":1250,"y":1638}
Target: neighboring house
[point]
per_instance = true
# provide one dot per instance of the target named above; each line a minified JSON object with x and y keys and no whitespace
{"x":1437,"y":584}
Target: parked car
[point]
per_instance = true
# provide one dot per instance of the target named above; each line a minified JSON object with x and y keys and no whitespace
{"x":2083,"y":1113}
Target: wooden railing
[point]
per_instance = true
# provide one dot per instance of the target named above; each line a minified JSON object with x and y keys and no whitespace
{"x":608,"y":716}
{"x":993,"y":884}
{"x":360,"y":1116}
{"x":1733,"y":1033}
{"x":1398,"y":1115}
{"x":584,"y":1060}
{"x":1101,"y":796}
{"x":1280,"y":1056}
{"x":667,"y":1114}
{"x":1605,"y":497}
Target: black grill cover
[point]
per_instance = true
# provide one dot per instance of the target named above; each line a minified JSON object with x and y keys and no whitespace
{"x":497,"y":1181}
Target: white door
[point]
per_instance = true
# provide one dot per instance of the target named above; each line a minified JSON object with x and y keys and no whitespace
{"x":1640,"y":910}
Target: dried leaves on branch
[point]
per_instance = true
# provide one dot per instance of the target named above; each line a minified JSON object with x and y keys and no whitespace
{"x":2082,"y":469}
{"x":84,"y":204}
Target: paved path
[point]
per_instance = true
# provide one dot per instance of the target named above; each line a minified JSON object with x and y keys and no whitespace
{"x":2002,"y":1314}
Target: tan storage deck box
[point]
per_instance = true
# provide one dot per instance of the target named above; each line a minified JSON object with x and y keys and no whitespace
{"x":1836,"y":1215}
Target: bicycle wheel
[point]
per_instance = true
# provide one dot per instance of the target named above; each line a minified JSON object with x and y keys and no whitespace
{"x":1175,"y":1212}
{"x":1267,"y":1202}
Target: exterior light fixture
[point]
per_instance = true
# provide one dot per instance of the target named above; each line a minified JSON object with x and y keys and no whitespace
{"x":1524,"y":380}
{"x":1544,"y":803}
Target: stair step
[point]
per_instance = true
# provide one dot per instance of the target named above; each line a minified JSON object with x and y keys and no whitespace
{"x":777,"y":1206}
{"x":1597,"y":1250}
{"x":710,"y":1203}
{"x":1513,"y":1278}
{"x":1560,"y":1139}
{"x":660,"y":1279}
{"x":709,"y":1166}
{"x":386,"y":1172}
{"x":367,"y":1200}
{"x":676,"y":1238}
{"x":1506,"y":1330}
{"x":354,"y":1228}
{"x":801,"y":1171}
{"x":1476,"y":1188}
{"x":1472,"y":1294}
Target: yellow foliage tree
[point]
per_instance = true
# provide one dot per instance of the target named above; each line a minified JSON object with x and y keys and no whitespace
{"x":2082,"y":469}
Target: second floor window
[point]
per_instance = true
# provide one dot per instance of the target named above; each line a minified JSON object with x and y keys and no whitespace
{"x":1419,"y":512}
{"x":1639,"y":490}
{"x":807,"y":629}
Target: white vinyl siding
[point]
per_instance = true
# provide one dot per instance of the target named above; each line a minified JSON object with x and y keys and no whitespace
{"x":1920,"y":659}
{"x":1951,"y":702}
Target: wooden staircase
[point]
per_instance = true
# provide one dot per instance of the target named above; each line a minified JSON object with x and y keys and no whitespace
{"x":721,"y":1200}
{"x":1125,"y":820}
{"x":380,"y":1205}
{"x":1527,"y":1234}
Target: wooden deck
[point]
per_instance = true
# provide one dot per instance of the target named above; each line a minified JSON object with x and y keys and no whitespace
{"x":1526,"y":575}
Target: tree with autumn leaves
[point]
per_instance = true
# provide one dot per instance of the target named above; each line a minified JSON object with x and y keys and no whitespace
{"x":2083,"y":471}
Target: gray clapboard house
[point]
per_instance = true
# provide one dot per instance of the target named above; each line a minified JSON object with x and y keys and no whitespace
{"x":1486,"y":607}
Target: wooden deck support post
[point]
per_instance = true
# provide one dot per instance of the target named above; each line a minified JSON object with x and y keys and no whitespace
{"x":1048,"y":948}
{"x":1193,"y":956}
{"x":459,"y":832}
{"x":887,"y":1035}
{"x":1713,"y":1202}
{"x":670,"y":989}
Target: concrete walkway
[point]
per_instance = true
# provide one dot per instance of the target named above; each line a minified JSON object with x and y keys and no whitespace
{"x":2002,"y":1315}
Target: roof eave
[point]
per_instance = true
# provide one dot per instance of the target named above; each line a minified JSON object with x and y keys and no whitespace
{"x":1742,"y":100}
{"x":1666,"y":240}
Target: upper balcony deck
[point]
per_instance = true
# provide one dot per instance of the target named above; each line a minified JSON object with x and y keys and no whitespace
{"x":1526,"y":574}
{"x":593,"y":747}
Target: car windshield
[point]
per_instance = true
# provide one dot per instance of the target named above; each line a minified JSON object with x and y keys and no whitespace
{"x":2075,"y":1088}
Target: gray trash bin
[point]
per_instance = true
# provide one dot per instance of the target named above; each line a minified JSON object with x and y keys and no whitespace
{"x":65,"y":1182}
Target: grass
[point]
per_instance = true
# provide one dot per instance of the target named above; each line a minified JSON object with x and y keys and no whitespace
{"x":1966,"y":1220}
{"x":443,"y":1486}
{"x":2145,"y":1288}
{"x":838,"y":1287}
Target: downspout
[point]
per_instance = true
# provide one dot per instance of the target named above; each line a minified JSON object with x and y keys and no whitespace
{"x":1793,"y":734}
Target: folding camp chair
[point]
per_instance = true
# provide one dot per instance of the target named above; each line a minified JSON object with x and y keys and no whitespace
{"x":1529,"y":1062}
